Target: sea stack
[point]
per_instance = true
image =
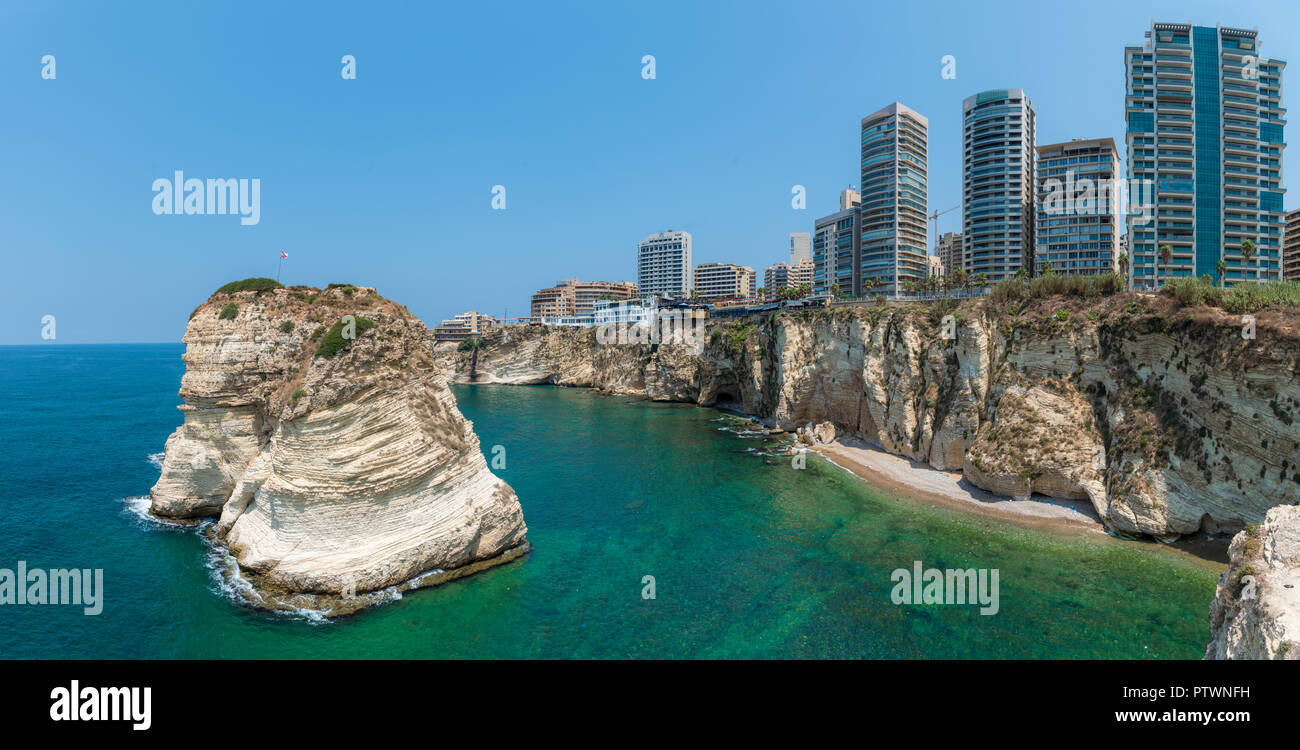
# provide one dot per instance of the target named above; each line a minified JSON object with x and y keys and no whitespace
{"x":324,"y":438}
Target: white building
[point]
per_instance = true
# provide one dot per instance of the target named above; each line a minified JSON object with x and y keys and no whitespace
{"x":663,"y":264}
{"x":640,"y":312}
{"x":800,"y":247}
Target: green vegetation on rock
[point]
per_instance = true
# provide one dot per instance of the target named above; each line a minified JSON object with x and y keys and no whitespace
{"x":256,"y":284}
{"x":335,"y":341}
{"x":228,"y":312}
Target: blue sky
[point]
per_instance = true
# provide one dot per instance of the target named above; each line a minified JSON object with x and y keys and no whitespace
{"x":386,"y":180}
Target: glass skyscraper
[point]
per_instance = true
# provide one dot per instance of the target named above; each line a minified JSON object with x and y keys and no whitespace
{"x":998,"y":183}
{"x":894,"y":189}
{"x":1205,"y":120}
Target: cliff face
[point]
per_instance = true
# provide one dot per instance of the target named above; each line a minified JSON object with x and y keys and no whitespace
{"x":329,"y":473}
{"x":1165,"y":418}
{"x":1256,"y":610}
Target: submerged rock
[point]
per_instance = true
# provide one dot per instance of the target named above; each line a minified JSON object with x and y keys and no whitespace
{"x":329,"y":448}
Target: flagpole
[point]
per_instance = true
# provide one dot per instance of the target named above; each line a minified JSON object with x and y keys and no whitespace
{"x":278,"y":266}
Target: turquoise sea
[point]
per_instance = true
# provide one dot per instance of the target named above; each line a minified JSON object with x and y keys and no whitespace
{"x":751,"y":558}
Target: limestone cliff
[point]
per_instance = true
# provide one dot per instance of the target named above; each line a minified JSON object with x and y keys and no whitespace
{"x":334,"y":457}
{"x":1163,"y":417}
{"x":1256,"y":610}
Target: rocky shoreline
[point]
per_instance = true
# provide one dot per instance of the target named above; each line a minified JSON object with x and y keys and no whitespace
{"x":1160,"y":420}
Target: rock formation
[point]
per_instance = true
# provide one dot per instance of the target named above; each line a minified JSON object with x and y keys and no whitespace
{"x":1256,"y":610}
{"x":1163,"y":417}
{"x":333,"y":457}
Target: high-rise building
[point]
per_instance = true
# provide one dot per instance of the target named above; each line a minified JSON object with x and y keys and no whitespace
{"x":894,"y":189}
{"x":1079,"y":211}
{"x":574,"y":297}
{"x":1291,"y":247}
{"x":724,"y":281}
{"x":835,"y":243}
{"x":775,"y":278}
{"x":998,"y":183}
{"x":800,"y":247}
{"x":1205,"y":120}
{"x":949,"y":252}
{"x":663,"y":264}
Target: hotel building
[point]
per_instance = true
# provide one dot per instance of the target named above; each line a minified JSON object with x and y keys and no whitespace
{"x":998,"y":183}
{"x":892,"y":213}
{"x":1079,"y":212}
{"x":1204,"y":126}
{"x":663,"y":264}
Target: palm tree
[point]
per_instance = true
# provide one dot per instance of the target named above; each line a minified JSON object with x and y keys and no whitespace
{"x":1123,"y":268}
{"x":1222,"y":269}
{"x":1166,"y":258}
{"x":1248,"y":252}
{"x":835,"y":290}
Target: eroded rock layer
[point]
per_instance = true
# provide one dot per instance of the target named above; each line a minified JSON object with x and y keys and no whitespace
{"x":334,"y":460}
{"x":1165,"y":418}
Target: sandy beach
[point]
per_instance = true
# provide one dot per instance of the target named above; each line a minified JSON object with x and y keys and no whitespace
{"x":949,"y":489}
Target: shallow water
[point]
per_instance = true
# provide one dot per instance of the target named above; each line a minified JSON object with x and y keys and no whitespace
{"x":751,"y":558}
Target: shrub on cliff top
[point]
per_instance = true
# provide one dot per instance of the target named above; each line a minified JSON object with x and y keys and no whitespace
{"x":256,"y":284}
{"x":1053,"y":284}
{"x":228,"y":312}
{"x":1244,"y":298}
{"x":1192,"y":291}
{"x":335,"y":341}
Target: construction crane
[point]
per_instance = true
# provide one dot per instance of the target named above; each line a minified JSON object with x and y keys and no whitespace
{"x":935,"y":218}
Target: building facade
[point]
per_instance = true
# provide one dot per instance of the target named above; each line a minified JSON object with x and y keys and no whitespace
{"x":775,"y":278}
{"x":894,"y":188}
{"x":949,"y":252}
{"x":1291,"y":247}
{"x":574,"y":297}
{"x":835,"y":248}
{"x":663,"y":264}
{"x":998,"y":130}
{"x":1204,"y":128}
{"x":463,"y":326}
{"x":724,"y":281}
{"x":1077,"y":228}
{"x":800,"y":247}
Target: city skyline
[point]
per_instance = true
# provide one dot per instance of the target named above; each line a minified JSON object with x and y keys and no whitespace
{"x":366,"y":186}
